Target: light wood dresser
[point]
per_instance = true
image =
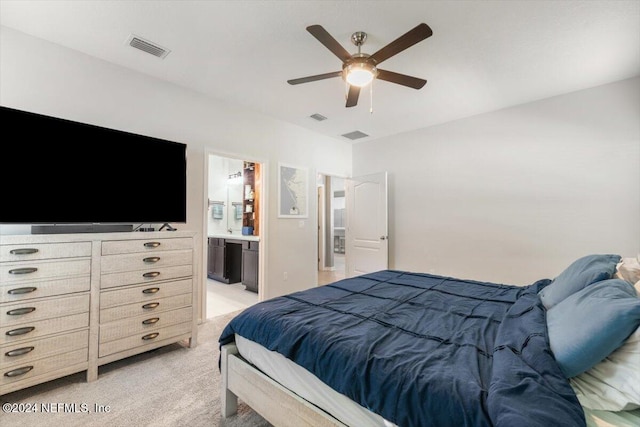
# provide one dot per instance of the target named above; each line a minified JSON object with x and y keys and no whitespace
{"x":73,"y":302}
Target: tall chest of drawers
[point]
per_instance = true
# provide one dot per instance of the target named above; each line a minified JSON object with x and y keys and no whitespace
{"x":145,"y":295}
{"x":70,"y":303}
{"x":44,"y":317}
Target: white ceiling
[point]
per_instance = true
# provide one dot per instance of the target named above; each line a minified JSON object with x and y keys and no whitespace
{"x":483,"y":55}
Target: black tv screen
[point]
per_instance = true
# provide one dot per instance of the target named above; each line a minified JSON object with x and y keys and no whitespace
{"x":57,"y":171}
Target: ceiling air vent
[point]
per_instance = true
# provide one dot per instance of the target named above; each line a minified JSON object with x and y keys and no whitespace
{"x":147,"y":46}
{"x":318,"y":117}
{"x":356,"y":134}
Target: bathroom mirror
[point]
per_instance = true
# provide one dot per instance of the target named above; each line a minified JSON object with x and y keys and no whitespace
{"x":234,"y":199}
{"x":225,"y":181}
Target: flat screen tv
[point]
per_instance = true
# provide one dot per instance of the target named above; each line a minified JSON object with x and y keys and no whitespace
{"x":56,"y":172}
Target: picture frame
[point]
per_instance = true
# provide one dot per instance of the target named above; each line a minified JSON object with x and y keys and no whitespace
{"x":293,"y":191}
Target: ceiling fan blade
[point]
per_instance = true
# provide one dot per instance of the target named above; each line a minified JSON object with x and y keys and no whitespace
{"x":401,"y":79}
{"x":314,"y":78}
{"x":403,"y":42}
{"x":329,"y":42}
{"x":352,"y":97}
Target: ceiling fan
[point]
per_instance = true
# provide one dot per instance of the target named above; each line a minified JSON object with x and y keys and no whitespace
{"x":360,"y":69}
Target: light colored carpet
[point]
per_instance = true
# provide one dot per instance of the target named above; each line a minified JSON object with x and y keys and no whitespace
{"x":171,"y":386}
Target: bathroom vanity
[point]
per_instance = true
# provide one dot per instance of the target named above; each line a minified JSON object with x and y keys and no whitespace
{"x":234,"y":258}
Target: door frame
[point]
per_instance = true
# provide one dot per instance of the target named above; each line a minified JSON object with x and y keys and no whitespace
{"x":262,"y":215}
{"x":321,"y":226}
{"x":322,"y":216}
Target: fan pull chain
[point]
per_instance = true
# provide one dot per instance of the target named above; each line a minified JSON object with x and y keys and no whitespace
{"x":371,"y":98}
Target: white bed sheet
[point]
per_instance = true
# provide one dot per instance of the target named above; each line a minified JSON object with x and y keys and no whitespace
{"x":310,"y":388}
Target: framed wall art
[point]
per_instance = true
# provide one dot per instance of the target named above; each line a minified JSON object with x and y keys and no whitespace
{"x":293,"y":191}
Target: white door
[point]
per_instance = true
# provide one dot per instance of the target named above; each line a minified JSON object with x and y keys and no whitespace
{"x":367,"y":241}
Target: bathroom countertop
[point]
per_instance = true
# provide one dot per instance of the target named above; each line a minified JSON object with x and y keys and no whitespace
{"x":235,"y":237}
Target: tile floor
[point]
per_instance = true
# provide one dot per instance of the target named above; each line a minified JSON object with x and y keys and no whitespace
{"x":223,"y":298}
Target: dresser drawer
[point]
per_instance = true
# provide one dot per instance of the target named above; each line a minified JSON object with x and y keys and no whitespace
{"x":146,"y":245}
{"x":44,"y":366}
{"x":156,"y":305}
{"x":149,"y":275}
{"x":20,"y":353}
{"x":144,"y":293}
{"x":137,"y":261}
{"x":38,"y":251}
{"x":14,"y":292}
{"x":143,"y":324}
{"x":146,"y":338}
{"x":42,"y":328}
{"x":19,"y":272}
{"x":31,"y":311}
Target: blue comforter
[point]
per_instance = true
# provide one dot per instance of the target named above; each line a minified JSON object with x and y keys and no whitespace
{"x":423,"y":350}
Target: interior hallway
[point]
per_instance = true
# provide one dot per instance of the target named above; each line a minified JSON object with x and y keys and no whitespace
{"x":325,"y":277}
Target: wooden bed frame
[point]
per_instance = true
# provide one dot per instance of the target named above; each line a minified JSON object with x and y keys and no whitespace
{"x":283,"y":408}
{"x":275,"y":403}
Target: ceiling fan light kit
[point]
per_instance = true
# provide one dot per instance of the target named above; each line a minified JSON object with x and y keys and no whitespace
{"x":360,"y":69}
{"x":359,"y":73}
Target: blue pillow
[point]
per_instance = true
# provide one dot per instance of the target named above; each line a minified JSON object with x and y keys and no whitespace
{"x":589,"y":325}
{"x":581,"y":273}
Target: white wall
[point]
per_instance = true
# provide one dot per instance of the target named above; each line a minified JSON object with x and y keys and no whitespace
{"x":42,"y":77}
{"x":515,"y":195}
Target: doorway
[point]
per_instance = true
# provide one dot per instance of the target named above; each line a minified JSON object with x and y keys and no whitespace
{"x":331,"y":228}
{"x":232,"y":228}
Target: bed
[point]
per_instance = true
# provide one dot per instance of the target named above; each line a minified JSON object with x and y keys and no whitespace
{"x":397,"y":348}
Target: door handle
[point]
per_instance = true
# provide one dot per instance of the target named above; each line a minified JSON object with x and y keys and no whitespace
{"x":384,"y":237}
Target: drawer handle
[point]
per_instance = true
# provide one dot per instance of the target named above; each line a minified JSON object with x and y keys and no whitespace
{"x":151,"y":321}
{"x":151,"y":259}
{"x":19,"y":351}
{"x":18,"y":372}
{"x":151,"y":244}
{"x":20,"y":291}
{"x":150,"y":336}
{"x":19,"y":311}
{"x":151,"y":305}
{"x":151,"y":274}
{"x":23,"y":270}
{"x":150,"y":290}
{"x":20,"y":331}
{"x":23,"y":251}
